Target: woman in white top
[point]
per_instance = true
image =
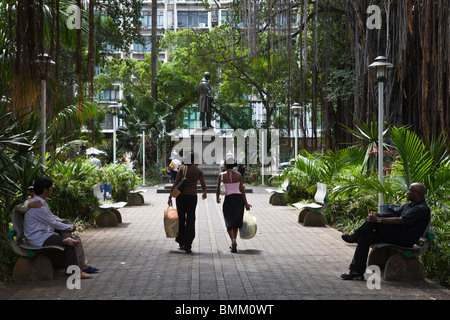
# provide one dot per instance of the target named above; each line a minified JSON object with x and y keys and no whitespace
{"x":235,"y":200}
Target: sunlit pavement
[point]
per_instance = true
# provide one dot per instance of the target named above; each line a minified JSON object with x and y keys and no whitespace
{"x":284,"y":261}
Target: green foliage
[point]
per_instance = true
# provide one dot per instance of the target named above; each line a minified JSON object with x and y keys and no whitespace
{"x":72,"y":195}
{"x":253,"y":175}
{"x":415,"y":162}
{"x":154,"y":174}
{"x":122,"y":178}
{"x":353,"y":189}
{"x":121,"y":27}
{"x":73,"y":182}
{"x":437,"y":259}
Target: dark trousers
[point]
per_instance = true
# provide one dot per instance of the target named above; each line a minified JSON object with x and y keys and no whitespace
{"x":371,"y":233}
{"x":70,"y":254}
{"x":186,"y":205}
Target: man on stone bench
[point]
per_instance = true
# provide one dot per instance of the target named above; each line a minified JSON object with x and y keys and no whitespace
{"x":43,"y":228}
{"x":403,"y":227}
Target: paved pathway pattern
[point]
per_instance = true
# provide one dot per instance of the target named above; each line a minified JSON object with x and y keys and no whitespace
{"x":284,"y":261}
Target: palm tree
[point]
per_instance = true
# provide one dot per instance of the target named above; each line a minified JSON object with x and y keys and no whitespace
{"x":414,"y":162}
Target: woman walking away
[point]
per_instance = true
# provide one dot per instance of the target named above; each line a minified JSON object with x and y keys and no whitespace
{"x":235,"y":200}
{"x":187,"y":200}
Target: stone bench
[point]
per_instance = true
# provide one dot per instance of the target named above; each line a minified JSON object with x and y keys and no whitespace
{"x":311,"y":213}
{"x":277,"y":198}
{"x":136,"y":197}
{"x":34,"y":263}
{"x":401,"y":263}
{"x":109,"y":214}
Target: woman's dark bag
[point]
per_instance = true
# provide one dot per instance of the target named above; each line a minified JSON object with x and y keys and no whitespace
{"x":177,"y":190}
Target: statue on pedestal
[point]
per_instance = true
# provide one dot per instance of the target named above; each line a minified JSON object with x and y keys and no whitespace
{"x":205,"y":101}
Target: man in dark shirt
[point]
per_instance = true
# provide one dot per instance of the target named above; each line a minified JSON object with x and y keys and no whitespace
{"x":403,"y":227}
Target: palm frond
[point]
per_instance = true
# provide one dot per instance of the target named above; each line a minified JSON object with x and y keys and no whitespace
{"x":415,"y":162}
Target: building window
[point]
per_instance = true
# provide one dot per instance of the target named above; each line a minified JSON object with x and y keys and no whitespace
{"x":108,"y":95}
{"x":160,"y":19}
{"x":170,"y":22}
{"x":192,"y":18}
{"x":146,"y":47}
{"x":146,"y":19}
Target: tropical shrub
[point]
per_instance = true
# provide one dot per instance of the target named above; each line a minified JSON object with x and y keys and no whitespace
{"x":253,"y":174}
{"x":73,"y":183}
{"x":154,"y":174}
{"x":437,"y":259}
{"x":122,"y":178}
{"x":353,"y":185}
{"x":72,"y":195}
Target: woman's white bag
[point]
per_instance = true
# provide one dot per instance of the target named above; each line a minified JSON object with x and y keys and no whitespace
{"x":249,"y":226}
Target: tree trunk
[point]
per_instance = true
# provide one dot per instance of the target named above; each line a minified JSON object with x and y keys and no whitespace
{"x":155,"y":50}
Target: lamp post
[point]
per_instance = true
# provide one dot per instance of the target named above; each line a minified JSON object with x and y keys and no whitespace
{"x":296,"y":111}
{"x":43,"y":61}
{"x":114,"y":109}
{"x":381,"y":66}
{"x":143,"y":126}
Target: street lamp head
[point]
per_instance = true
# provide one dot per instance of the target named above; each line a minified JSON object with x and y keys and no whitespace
{"x":296,"y":109}
{"x":381,"y":64}
{"x":43,"y":61}
{"x":143,"y":125}
{"x":44,"y":58}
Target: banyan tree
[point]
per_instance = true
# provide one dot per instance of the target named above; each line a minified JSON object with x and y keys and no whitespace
{"x":333,"y":44}
{"x":415,"y":37}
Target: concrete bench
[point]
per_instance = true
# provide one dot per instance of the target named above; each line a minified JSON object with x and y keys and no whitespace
{"x":109,"y":214}
{"x":277,"y":198}
{"x":401,"y":263}
{"x":311,"y":213}
{"x":136,"y":197}
{"x":34,"y":263}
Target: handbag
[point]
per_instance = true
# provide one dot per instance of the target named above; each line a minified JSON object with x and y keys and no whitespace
{"x":177,"y":190}
{"x":249,"y":226}
{"x":171,"y":222}
{"x":223,"y":190}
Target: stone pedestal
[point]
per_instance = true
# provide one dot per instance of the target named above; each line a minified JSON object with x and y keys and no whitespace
{"x":277,"y":199}
{"x":135,"y":199}
{"x":106,"y":219}
{"x":400,"y":268}
{"x":40,"y":268}
{"x":396,"y":266}
{"x":314,"y":219}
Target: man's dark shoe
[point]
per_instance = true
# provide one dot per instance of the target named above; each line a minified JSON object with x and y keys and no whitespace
{"x":352,"y":275}
{"x":349,"y":238}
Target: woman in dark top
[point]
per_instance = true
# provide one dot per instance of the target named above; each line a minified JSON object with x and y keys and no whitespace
{"x":187,"y":201}
{"x":235,"y":200}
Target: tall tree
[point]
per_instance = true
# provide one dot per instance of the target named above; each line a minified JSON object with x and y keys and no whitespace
{"x":155,"y":49}
{"x":412,"y":37}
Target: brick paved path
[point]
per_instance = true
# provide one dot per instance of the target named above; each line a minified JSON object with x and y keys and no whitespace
{"x":284,"y":261}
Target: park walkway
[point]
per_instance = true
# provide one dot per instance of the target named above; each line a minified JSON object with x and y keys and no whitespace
{"x":285,"y":261}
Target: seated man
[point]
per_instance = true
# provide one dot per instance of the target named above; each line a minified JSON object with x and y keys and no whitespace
{"x":43,"y":228}
{"x":24,"y":207}
{"x":403,"y":227}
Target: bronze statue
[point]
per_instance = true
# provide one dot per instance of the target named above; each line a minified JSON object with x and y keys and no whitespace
{"x":205,"y":101}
